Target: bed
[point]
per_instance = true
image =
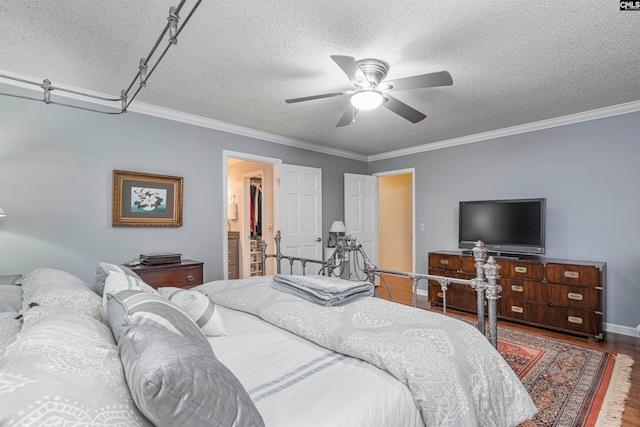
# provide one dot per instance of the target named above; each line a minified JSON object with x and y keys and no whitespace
{"x":122,"y":353}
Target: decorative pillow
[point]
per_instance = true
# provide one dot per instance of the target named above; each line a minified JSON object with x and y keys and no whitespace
{"x":142,"y":308}
{"x":10,"y":298}
{"x":102,"y":271}
{"x":48,"y":286}
{"x":64,"y":369}
{"x":9,"y":327}
{"x":177,"y":383}
{"x":117,"y":282}
{"x":198,"y":307}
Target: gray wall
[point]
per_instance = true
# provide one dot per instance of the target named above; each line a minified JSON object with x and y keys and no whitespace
{"x":55,"y":185}
{"x":589,"y":174}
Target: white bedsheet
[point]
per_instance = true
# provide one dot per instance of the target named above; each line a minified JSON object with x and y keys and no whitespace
{"x":297,"y":383}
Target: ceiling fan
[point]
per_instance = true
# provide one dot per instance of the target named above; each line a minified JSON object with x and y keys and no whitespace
{"x":372,"y":91}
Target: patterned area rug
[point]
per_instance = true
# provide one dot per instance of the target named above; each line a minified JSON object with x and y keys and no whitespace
{"x":571,"y":385}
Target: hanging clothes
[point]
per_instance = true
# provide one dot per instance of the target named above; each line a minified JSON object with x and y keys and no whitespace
{"x":255,"y":208}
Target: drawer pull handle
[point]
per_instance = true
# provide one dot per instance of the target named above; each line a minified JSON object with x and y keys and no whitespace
{"x":521,"y":269}
{"x":517,"y":288}
{"x":574,"y":319}
{"x":444,"y":261}
{"x":517,"y":309}
{"x":229,"y":252}
{"x":571,"y":274}
{"x":440,"y":295}
{"x":190,"y":278}
{"x":573,"y":296}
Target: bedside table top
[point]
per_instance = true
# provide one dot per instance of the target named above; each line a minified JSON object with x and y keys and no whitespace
{"x":175,"y":265}
{"x":10,"y":279}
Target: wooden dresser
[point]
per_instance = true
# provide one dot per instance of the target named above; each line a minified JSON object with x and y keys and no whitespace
{"x":563,"y":295}
{"x":185,"y":274}
{"x":234,"y":254}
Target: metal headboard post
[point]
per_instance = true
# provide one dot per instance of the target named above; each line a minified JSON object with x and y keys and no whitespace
{"x":480,"y":256}
{"x":278,"y":238}
{"x":263,"y":249}
{"x":491,"y":269}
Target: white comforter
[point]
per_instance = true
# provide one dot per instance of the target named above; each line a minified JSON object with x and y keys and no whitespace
{"x":454,"y":375}
{"x":296,"y":383}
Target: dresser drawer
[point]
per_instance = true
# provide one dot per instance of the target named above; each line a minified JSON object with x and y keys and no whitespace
{"x":444,"y":261}
{"x":182,"y":275}
{"x":520,"y":269}
{"x":574,"y":274}
{"x":521,"y":289}
{"x":459,"y":298}
{"x":522,"y":310}
{"x":584,"y":298}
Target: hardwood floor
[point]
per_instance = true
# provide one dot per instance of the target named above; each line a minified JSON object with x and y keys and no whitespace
{"x":401,"y":293}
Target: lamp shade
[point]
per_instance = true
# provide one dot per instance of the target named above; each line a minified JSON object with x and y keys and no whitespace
{"x":337,"y":227}
{"x":2,"y":212}
{"x":366,"y":99}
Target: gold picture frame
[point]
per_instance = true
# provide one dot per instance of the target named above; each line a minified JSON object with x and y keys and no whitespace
{"x":146,"y":200}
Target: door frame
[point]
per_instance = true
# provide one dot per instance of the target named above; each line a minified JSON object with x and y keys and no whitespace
{"x":226,"y":154}
{"x":411,"y":171}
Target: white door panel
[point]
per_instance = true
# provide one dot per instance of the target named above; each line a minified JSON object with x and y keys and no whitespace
{"x":361,"y":213}
{"x":301,"y":214}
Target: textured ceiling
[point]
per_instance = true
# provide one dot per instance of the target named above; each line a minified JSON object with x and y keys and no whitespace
{"x":236,"y":61}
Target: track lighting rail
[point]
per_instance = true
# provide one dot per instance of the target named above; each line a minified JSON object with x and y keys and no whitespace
{"x":142,"y":75}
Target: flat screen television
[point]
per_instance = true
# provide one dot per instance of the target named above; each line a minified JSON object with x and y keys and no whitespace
{"x":505,"y":226}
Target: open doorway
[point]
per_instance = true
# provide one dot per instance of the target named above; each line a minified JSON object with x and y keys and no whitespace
{"x":251,"y":214}
{"x":396,"y":230}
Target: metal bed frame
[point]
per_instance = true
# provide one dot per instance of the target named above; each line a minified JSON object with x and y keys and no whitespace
{"x":348,"y":248}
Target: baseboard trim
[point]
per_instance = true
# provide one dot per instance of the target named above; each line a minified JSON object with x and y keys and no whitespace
{"x":620,"y":329}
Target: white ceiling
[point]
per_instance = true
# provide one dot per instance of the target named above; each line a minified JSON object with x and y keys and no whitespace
{"x":512,"y":62}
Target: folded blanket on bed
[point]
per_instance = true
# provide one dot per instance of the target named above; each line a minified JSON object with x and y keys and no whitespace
{"x":323,"y":290}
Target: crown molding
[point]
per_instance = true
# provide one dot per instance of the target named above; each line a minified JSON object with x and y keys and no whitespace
{"x":191,"y":119}
{"x":600,"y":113}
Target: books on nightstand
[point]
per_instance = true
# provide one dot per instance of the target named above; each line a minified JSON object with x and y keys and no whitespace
{"x":160,"y":258}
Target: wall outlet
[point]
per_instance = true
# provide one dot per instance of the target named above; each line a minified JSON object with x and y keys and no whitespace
{"x":270,"y":227}
{"x":422,"y":226}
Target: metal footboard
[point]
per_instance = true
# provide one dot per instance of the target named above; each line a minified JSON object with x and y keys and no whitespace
{"x":349,"y":249}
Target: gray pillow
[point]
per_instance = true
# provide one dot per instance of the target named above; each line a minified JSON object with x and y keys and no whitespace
{"x":10,"y":298}
{"x":102,"y":271}
{"x":64,"y":369}
{"x":133,"y":307}
{"x":48,"y":286}
{"x":175,"y":382}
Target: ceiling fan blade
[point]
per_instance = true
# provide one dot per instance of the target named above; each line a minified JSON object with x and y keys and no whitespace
{"x":441,"y":78}
{"x":402,"y":109}
{"x":350,"y":68}
{"x":348,"y":116}
{"x":310,"y":98}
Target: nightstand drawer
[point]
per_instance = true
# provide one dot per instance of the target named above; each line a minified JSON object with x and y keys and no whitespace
{"x":182,"y":275}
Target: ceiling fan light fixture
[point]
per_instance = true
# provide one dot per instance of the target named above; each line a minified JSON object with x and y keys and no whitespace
{"x":367,"y":99}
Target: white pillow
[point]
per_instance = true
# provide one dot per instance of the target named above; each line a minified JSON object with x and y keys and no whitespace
{"x":198,"y":307}
{"x":117,"y":282}
{"x":102,"y":271}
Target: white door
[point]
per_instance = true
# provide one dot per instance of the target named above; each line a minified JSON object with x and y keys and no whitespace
{"x":301,"y":215}
{"x":361,"y":214}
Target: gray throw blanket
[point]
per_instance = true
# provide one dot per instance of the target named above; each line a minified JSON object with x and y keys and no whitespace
{"x":456,"y":378}
{"x":323,"y":290}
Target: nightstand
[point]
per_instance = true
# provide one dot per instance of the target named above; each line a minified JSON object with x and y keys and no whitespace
{"x":185,"y":274}
{"x":10,"y":279}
